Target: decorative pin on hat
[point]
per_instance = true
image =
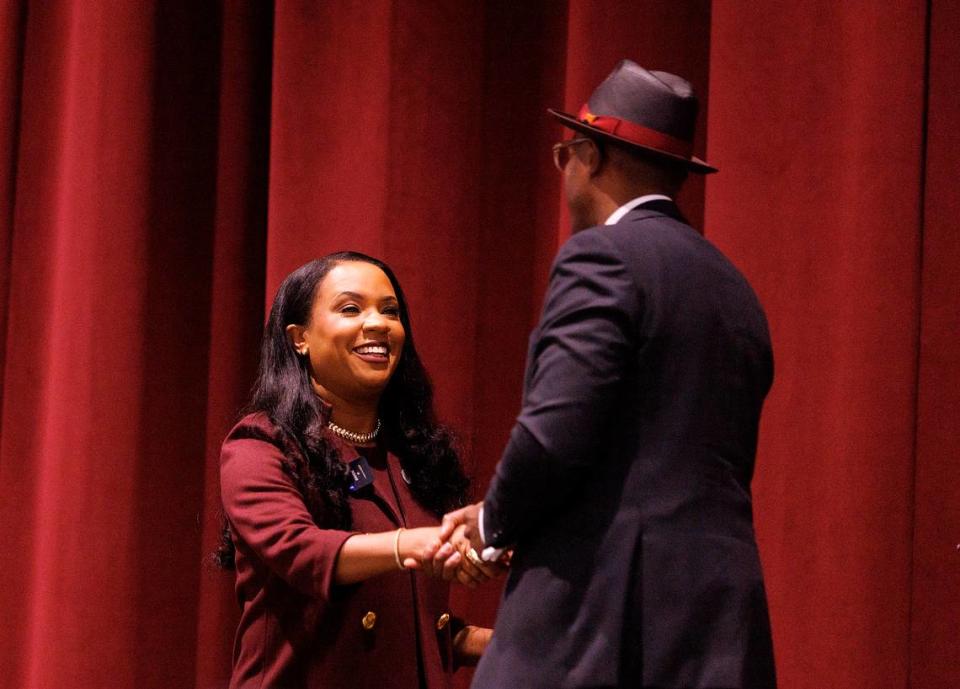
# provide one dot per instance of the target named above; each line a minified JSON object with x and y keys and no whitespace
{"x":649,"y":110}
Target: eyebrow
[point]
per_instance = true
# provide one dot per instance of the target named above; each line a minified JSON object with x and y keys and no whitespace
{"x":360,"y":297}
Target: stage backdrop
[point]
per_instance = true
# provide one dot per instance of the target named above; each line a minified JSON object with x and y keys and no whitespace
{"x":164,"y":165}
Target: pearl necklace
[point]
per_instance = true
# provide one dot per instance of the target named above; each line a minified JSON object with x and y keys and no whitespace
{"x":353,"y":436}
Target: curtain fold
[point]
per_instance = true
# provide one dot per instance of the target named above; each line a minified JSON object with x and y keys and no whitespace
{"x":818,"y":128}
{"x":103,"y":386}
{"x":164,"y":165}
{"x":237,"y":297}
{"x":12,"y":18}
{"x":936,"y":535}
{"x":74,"y":546}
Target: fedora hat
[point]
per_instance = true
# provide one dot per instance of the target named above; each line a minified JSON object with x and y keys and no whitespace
{"x":647,"y":110}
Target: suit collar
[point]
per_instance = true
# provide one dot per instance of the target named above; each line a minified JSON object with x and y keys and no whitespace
{"x":635,"y":202}
{"x":664,"y":207}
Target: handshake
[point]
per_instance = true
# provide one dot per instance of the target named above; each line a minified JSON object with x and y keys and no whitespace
{"x":452,"y":550}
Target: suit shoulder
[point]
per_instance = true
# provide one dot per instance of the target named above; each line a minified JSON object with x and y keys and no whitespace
{"x":652,"y":228}
{"x":253,"y":450}
{"x":593,"y":242}
{"x":256,"y":426}
{"x":658,"y":239}
{"x":591,"y":255}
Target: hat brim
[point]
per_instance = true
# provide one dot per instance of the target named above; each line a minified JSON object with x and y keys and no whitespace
{"x":693,"y":163}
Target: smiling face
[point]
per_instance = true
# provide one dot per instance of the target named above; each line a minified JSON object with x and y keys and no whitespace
{"x":354,"y":338}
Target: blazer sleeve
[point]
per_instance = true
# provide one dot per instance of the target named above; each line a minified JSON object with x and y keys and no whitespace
{"x":577,"y":360}
{"x":267,"y":513}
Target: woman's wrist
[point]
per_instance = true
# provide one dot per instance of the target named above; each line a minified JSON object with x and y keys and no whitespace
{"x":366,"y":555}
{"x":396,"y":549}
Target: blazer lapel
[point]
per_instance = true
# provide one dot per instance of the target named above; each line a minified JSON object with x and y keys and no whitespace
{"x":380,"y":494}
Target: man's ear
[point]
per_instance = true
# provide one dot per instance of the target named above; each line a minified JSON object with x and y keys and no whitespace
{"x":295,"y":335}
{"x":593,"y":158}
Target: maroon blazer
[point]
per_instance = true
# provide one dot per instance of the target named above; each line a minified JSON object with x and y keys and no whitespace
{"x":297,"y":628}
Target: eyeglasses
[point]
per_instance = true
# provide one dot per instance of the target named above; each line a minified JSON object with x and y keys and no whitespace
{"x":561,"y":151}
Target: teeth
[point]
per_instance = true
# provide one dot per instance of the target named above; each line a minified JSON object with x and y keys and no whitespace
{"x":372,"y":349}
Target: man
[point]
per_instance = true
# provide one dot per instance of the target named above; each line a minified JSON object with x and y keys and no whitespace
{"x":624,"y":490}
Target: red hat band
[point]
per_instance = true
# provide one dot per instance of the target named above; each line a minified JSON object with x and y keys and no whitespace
{"x":636,"y":133}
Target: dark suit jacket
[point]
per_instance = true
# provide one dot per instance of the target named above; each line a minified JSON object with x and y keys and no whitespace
{"x":625,"y":486}
{"x":299,"y":630}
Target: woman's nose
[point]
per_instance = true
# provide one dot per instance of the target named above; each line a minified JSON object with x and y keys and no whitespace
{"x":375,"y":321}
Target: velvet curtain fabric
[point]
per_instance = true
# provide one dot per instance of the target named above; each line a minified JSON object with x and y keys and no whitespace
{"x":164,"y":165}
{"x":831,"y":125}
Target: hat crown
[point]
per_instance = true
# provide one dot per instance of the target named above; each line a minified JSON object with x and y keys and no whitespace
{"x":658,"y":100}
{"x":646,"y":110}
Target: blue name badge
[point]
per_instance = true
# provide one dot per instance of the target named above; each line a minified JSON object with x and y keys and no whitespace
{"x":361,"y":475}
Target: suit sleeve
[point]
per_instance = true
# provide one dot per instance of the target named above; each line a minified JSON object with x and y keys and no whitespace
{"x":266,"y":513}
{"x":576,"y":364}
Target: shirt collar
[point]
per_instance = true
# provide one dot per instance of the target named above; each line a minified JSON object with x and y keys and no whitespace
{"x":618,"y":214}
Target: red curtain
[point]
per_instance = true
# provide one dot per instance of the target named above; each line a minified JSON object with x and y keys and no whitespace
{"x":831,"y":123}
{"x":164,"y":165}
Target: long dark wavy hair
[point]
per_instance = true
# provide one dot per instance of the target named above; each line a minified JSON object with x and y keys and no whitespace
{"x":284,"y":393}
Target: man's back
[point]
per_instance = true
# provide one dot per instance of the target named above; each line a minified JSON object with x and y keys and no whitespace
{"x":646,"y":573}
{"x":703,"y":357}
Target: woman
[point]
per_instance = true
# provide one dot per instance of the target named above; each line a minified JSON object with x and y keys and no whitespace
{"x":332,"y":485}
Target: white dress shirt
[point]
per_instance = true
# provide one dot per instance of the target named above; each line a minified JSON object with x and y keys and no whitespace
{"x":618,"y":214}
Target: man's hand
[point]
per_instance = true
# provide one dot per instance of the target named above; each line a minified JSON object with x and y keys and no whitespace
{"x":461,"y":530}
{"x":470,"y":570}
{"x":455,"y":554}
{"x":459,"y":533}
{"x":469,"y":518}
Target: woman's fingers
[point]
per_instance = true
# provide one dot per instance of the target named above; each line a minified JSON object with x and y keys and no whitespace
{"x":427,"y":555}
{"x":451,"y":565}
{"x":454,"y":559}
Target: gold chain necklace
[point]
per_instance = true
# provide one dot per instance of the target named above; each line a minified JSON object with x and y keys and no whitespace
{"x":353,"y":436}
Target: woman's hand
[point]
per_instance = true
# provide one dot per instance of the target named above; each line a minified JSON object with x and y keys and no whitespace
{"x":413,"y":544}
{"x":456,"y":559}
